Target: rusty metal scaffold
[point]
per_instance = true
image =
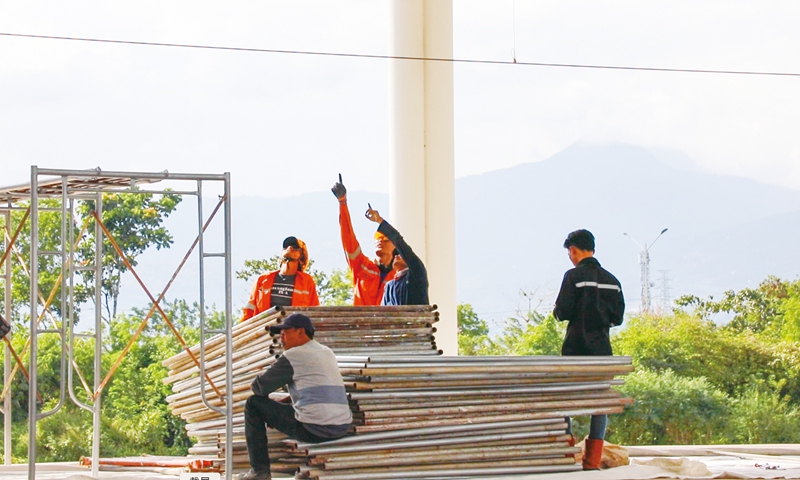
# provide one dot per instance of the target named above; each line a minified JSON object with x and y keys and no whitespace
{"x":89,"y":185}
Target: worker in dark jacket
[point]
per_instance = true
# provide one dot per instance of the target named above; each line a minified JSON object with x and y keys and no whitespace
{"x":410,"y":283}
{"x":591,"y":300}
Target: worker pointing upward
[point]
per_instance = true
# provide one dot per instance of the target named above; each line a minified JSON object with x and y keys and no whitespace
{"x":369,"y":276}
{"x":410,"y":283}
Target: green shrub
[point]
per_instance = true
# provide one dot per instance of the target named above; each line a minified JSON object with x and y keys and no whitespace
{"x":762,"y":415}
{"x":692,"y":347}
{"x":670,"y":410}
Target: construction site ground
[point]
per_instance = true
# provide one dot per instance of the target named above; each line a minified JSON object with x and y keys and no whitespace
{"x":647,"y":462}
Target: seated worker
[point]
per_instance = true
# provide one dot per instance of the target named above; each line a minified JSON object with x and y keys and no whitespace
{"x":319,"y":411}
{"x":369,"y":276}
{"x":289,"y":286}
{"x":410,"y":283}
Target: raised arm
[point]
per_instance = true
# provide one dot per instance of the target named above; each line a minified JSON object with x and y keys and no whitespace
{"x":352,"y":249}
{"x":414,"y":263}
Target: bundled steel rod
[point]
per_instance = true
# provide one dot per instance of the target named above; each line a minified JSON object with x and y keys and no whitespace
{"x":416,"y":414}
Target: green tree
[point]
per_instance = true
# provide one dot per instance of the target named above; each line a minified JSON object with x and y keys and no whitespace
{"x":135,"y":221}
{"x":469,"y":323}
{"x":789,"y":311}
{"x":542,"y":338}
{"x":473,"y":332}
{"x":754,"y":309}
{"x":531,"y":332}
{"x":692,"y":347}
{"x":135,"y":415}
{"x":19,"y":257}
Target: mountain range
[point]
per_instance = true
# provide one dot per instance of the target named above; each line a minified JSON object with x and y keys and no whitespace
{"x":724,"y":232}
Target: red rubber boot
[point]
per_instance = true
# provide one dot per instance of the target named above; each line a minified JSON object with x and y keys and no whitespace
{"x":593,"y":455}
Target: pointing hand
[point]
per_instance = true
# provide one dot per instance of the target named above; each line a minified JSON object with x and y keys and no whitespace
{"x":373,"y":215}
{"x":338,"y":189}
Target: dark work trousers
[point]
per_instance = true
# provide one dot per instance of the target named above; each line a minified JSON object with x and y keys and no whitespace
{"x":597,"y":426}
{"x":260,"y":412}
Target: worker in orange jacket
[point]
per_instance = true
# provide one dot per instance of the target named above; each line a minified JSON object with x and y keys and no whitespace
{"x":369,"y":276}
{"x":289,"y":286}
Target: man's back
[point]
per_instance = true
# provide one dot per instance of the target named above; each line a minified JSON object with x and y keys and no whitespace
{"x":591,"y":299}
{"x":317,"y":389}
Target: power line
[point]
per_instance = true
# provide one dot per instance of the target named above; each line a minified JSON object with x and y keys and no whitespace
{"x":396,"y":57}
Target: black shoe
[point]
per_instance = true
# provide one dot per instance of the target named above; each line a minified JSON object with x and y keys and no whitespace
{"x":251,"y":475}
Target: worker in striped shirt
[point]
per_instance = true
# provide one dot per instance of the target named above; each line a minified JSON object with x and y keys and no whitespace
{"x":318,"y":410}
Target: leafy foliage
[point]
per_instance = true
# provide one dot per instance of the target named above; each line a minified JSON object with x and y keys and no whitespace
{"x":135,"y":417}
{"x":752,"y":361}
{"x":531,"y":333}
{"x":542,"y":338}
{"x":670,"y":409}
{"x":692,"y":347}
{"x":473,"y":332}
{"x":696,"y":381}
{"x":762,"y":415}
{"x":136,"y":223}
{"x":19,"y":257}
{"x":756,"y":310}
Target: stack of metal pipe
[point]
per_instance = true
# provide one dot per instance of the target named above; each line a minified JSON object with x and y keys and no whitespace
{"x":439,"y":417}
{"x":395,"y":331}
{"x":416,"y":414}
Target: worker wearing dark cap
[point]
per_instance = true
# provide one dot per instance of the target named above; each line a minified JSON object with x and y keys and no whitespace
{"x":319,"y":410}
{"x":289,"y":286}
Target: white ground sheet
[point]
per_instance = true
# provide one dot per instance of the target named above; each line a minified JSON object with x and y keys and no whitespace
{"x":684,"y":462}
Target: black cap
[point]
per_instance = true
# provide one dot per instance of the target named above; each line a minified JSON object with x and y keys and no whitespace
{"x":290,"y":242}
{"x":295,"y":320}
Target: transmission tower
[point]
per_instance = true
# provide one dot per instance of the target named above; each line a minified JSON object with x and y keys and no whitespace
{"x":665,"y":297}
{"x":644,"y":264}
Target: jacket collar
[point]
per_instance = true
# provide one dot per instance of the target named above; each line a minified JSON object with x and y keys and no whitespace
{"x":588,"y":261}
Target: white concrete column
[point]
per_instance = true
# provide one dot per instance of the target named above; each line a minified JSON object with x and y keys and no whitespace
{"x":422,"y":192}
{"x":407,"y":124}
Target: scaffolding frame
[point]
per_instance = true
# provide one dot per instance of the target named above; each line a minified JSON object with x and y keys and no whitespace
{"x":69,"y":186}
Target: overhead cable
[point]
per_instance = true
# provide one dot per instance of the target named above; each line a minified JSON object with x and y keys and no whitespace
{"x":403,"y":57}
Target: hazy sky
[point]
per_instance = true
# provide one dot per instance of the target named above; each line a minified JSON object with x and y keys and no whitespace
{"x":285,"y":124}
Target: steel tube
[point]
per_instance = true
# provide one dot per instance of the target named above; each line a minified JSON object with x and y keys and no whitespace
{"x":7,"y":346}
{"x":375,"y":437}
{"x":473,"y":472}
{"x":539,"y":359}
{"x":324,"y":450}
